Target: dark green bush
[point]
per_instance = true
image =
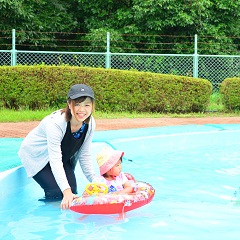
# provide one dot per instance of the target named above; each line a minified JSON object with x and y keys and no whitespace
{"x":230,"y":91}
{"x":41,"y":86}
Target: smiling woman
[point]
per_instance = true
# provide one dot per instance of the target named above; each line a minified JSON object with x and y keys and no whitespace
{"x":52,"y":149}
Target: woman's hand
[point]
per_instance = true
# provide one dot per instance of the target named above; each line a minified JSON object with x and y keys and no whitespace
{"x":68,"y":197}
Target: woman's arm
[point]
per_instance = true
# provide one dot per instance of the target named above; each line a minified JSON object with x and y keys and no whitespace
{"x":84,"y":156}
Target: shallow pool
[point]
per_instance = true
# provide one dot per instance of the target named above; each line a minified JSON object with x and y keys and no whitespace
{"x":194,"y":169}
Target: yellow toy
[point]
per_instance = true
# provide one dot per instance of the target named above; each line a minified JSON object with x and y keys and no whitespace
{"x":96,"y":188}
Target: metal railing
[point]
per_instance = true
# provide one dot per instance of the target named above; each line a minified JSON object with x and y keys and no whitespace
{"x":214,"y":68}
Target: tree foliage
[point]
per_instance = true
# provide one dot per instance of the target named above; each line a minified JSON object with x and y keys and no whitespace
{"x":149,"y":21}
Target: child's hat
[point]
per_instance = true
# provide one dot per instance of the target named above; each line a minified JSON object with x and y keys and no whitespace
{"x":107,"y":158}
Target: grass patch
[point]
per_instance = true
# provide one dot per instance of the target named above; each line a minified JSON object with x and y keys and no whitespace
{"x":8,"y":115}
{"x":216,"y":103}
{"x":27,"y":115}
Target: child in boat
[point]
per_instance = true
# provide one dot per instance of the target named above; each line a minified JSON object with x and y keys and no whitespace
{"x":110,"y":166}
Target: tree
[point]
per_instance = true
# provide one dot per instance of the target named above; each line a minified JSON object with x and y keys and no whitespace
{"x":139,"y":26}
{"x":31,"y":18}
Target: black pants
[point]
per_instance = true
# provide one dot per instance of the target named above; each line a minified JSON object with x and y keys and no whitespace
{"x":47,"y":181}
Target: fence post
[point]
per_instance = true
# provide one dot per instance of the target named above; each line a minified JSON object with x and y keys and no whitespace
{"x":14,"y":51}
{"x":195,"y":58}
{"x":108,"y":53}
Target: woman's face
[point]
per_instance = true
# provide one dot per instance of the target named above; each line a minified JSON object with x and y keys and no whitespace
{"x":81,"y":110}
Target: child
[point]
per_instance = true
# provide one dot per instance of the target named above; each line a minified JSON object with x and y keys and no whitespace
{"x":110,"y":165}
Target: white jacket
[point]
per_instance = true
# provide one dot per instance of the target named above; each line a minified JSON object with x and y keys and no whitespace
{"x":43,"y":145}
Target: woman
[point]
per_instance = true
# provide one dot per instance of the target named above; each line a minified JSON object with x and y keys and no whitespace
{"x":51,"y":151}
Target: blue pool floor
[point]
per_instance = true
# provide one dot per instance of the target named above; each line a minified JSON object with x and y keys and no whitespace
{"x":195,"y":170}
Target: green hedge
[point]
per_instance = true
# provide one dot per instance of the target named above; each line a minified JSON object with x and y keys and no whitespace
{"x":230,"y":91}
{"x":42,"y":86}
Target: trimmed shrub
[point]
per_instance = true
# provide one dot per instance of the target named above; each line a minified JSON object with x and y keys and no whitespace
{"x":230,"y":91}
{"x":41,"y":86}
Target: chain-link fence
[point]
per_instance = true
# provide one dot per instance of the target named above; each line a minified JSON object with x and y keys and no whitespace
{"x":211,"y":67}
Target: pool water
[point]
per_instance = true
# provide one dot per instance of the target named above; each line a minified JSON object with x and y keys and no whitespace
{"x":194,"y":169}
